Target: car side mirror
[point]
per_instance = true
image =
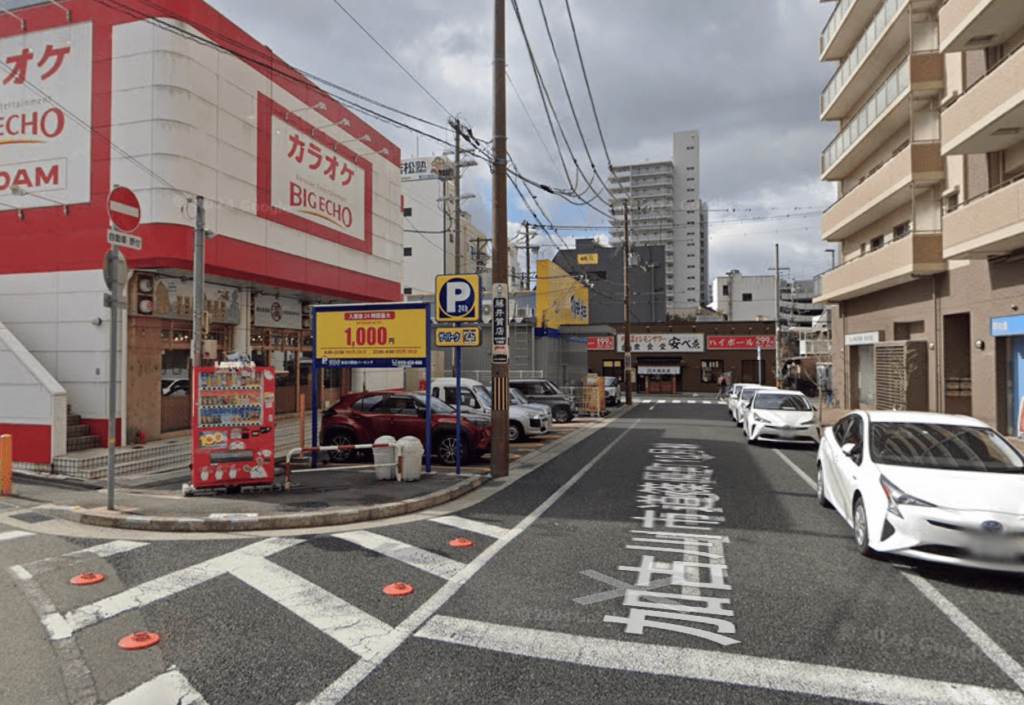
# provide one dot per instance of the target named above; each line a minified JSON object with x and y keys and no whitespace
{"x":849,"y":449}
{"x":422,"y":412}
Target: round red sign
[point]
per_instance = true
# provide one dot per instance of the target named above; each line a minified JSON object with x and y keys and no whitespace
{"x":123,"y":209}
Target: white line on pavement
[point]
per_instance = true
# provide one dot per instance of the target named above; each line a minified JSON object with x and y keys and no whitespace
{"x":433,"y":563}
{"x":340,"y":688}
{"x":367,"y":636}
{"x":173,"y":583}
{"x":715,"y":666}
{"x":972,"y":631}
{"x":989,"y":647}
{"x":169,"y":688}
{"x":8,"y":535}
{"x":477,"y":527}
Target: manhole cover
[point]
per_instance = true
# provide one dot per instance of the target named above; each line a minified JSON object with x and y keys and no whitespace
{"x":31,"y":517}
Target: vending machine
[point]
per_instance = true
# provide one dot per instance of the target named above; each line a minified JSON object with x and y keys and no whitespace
{"x":232,"y":425}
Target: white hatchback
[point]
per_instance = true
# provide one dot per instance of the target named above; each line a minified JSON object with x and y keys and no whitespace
{"x":781,"y":415}
{"x":937,"y":487}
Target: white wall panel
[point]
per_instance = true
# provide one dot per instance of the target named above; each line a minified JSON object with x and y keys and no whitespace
{"x":131,"y":105}
{"x":133,"y":38}
{"x":81,"y":280}
{"x":131,"y":72}
{"x":89,"y":399}
{"x":35,"y":283}
{"x":28,"y":308}
{"x":237,"y":104}
{"x":36,"y":336}
{"x":81,"y":367}
{"x":185,"y":174}
{"x":84,"y":336}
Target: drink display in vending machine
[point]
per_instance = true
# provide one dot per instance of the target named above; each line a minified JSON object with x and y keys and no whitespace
{"x":232,"y":425}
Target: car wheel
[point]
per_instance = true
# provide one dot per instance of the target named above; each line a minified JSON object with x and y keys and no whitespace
{"x":341,"y":438}
{"x":515,"y":432}
{"x":446,"y":449}
{"x":860,"y":527}
{"x":562,"y":414}
{"x":820,"y":488}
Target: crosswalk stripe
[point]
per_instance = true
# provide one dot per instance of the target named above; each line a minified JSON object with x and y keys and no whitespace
{"x":10,"y":535}
{"x":169,"y":688}
{"x":423,"y":559}
{"x":365,"y":635}
{"x":477,"y":527}
{"x":705,"y":664}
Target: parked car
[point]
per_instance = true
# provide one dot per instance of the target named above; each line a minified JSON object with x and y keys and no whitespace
{"x":937,"y":487}
{"x":612,"y":391}
{"x":517,"y":399}
{"x":781,"y":415}
{"x":476,"y":399}
{"x":364,"y":417}
{"x":541,"y":391}
{"x":175,"y":387}
{"x":733,"y":398}
{"x":739,"y":412}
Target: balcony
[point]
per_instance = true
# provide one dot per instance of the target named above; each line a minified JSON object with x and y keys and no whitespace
{"x":883,"y":191}
{"x":989,"y":116}
{"x":987,"y":226}
{"x":847,"y":23}
{"x":894,"y":264}
{"x":885,"y":36}
{"x":965,"y":25}
{"x":884,"y":114}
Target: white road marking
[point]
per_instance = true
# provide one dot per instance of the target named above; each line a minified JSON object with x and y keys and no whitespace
{"x":803,"y":476}
{"x":173,"y":583}
{"x":972,"y":631}
{"x":433,"y":563}
{"x":677,"y":401}
{"x":714,"y":666}
{"x":9,"y":535}
{"x":477,"y":527}
{"x":103,"y":550}
{"x":367,"y":636}
{"x":169,"y":688}
{"x":340,"y":688}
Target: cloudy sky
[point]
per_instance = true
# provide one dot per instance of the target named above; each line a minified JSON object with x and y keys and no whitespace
{"x":742,"y":72}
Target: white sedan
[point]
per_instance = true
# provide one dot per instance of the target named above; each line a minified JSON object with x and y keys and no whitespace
{"x":739,"y":408}
{"x":781,"y":415}
{"x":936,"y":487}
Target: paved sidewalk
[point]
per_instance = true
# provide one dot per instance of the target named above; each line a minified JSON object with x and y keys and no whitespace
{"x":325,"y":497}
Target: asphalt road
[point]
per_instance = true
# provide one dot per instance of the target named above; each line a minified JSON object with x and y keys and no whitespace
{"x":663,"y":559}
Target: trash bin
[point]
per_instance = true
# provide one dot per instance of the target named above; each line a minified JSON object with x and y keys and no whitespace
{"x":384,"y":458}
{"x":411,"y":451}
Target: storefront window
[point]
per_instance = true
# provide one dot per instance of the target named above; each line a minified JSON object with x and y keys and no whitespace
{"x":710,"y":371}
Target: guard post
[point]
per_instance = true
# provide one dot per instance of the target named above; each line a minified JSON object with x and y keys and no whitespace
{"x":6,"y":464}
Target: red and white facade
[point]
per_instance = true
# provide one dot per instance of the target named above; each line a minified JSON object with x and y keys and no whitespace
{"x":302,"y":195}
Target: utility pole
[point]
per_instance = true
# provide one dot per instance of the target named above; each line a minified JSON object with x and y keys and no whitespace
{"x":454,"y":122}
{"x":626,"y":345}
{"x":198,"y":284}
{"x":480,"y":253}
{"x":527,"y":226}
{"x":499,"y":223}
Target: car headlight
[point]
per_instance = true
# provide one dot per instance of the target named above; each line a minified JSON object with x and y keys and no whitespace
{"x":535,"y":417}
{"x":896,"y":497}
{"x":757,"y":417}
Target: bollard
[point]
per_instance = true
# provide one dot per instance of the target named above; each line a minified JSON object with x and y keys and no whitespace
{"x":6,"y":464}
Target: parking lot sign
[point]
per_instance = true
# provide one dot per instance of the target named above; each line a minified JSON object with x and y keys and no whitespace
{"x":457,"y":297}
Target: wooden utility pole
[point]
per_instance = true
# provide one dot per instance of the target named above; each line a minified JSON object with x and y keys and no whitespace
{"x":626,"y":345}
{"x":499,"y":222}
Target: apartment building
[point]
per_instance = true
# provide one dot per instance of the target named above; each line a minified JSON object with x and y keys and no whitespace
{"x":665,"y":209}
{"x":928,"y":219}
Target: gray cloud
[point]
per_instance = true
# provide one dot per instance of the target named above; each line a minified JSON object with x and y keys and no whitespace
{"x":743,"y":72}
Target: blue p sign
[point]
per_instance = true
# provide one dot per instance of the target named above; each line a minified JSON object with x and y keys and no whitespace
{"x":458,"y":297}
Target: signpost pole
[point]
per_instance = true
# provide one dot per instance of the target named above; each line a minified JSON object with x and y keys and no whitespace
{"x":458,"y":410}
{"x":115,"y":295}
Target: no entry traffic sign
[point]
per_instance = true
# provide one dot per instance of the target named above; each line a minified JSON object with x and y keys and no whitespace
{"x":123,"y":209}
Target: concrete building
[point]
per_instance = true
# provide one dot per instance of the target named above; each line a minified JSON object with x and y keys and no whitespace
{"x":744,"y":298}
{"x":927,"y":164}
{"x":665,"y":209}
{"x":602,"y":271}
{"x":174,"y":101}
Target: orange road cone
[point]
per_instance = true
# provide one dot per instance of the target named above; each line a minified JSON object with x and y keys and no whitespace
{"x":461,"y":543}
{"x":398,"y":589}
{"x":87,"y":579}
{"x":138,"y":640}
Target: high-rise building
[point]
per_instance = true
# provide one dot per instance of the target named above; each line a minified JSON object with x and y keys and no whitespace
{"x":927,"y":161}
{"x":665,"y":209}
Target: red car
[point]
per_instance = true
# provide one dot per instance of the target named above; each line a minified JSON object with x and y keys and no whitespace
{"x":366,"y":416}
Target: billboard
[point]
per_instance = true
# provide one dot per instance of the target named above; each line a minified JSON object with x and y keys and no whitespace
{"x":310,"y":182}
{"x":561,"y":300}
{"x":46,"y":117}
{"x":361,"y":335}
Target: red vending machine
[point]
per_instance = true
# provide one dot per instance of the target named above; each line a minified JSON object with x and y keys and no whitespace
{"x":232,"y":425}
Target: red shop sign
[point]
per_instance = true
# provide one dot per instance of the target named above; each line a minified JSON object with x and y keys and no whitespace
{"x":741,"y":342}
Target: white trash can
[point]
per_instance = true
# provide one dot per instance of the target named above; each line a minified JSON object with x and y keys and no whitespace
{"x":411,"y":450}
{"x":384,"y":458}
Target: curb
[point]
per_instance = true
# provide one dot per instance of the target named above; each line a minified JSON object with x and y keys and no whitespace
{"x":257,"y":522}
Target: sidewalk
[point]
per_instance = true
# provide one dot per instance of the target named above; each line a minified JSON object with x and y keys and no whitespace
{"x":337,"y":495}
